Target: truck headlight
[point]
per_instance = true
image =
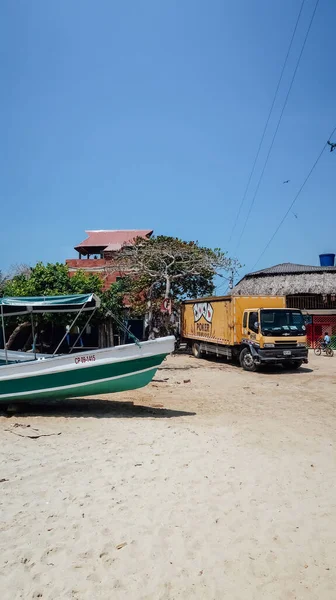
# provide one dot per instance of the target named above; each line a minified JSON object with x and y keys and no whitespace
{"x":269,"y":345}
{"x":301,"y":345}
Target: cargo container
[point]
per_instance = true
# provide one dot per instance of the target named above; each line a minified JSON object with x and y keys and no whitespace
{"x":256,"y":330}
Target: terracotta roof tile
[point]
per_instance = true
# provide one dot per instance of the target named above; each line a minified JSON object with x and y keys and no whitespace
{"x":112,"y":239}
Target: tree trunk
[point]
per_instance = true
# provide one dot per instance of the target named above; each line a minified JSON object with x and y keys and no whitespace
{"x":110,"y":333}
{"x":101,"y":336}
{"x":150,"y":319}
{"x":15,"y":333}
{"x":28,"y":343}
{"x":150,"y":333}
{"x":166,"y":315}
{"x":168,"y":285}
{"x":105,"y":334}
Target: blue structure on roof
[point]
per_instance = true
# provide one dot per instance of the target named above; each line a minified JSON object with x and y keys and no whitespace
{"x":327,"y":260}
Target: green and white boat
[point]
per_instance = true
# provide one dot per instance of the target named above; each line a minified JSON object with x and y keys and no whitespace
{"x":32,"y":376}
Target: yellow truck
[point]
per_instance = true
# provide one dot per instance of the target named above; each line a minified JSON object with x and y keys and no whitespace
{"x":256,"y":330}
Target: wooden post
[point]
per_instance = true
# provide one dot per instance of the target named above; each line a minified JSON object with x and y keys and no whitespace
{"x":4,"y":333}
{"x":111,"y":337}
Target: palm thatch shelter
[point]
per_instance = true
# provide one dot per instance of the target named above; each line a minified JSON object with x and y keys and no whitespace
{"x":309,"y":288}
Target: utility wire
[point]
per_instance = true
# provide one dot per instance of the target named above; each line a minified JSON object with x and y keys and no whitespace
{"x":229,"y":281}
{"x":293,"y":202}
{"x":218,"y":287}
{"x":226,"y":282}
{"x":266,"y":124}
{"x":278,"y":124}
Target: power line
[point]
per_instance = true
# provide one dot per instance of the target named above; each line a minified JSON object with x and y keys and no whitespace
{"x":266,"y":124}
{"x":292,"y":203}
{"x":229,"y":281}
{"x":228,"y":287}
{"x":226,"y":282}
{"x":225,"y":293}
{"x":278,"y":124}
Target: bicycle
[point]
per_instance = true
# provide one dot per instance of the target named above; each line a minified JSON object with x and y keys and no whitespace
{"x":327,"y":349}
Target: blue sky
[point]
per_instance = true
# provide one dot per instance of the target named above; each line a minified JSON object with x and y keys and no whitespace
{"x":118,"y":115}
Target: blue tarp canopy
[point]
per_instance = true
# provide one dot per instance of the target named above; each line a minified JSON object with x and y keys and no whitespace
{"x":47,"y":304}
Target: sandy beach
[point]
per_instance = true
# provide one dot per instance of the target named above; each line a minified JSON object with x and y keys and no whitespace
{"x":210,"y":483}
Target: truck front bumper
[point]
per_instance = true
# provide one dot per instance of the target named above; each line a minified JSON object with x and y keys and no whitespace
{"x":266,"y":355}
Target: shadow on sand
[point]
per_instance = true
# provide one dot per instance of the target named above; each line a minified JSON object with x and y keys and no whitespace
{"x":269,"y":370}
{"x":99,"y":409}
{"x":265,"y":370}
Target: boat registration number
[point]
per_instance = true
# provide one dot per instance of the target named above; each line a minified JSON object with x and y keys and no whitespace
{"x":85,"y":359}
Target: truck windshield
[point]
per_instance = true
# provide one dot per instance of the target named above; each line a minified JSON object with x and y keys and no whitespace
{"x":282,"y":321}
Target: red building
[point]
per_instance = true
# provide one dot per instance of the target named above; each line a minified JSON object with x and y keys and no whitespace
{"x":96,"y":254}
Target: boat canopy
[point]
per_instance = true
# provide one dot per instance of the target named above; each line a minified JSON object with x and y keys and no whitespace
{"x":11,"y":306}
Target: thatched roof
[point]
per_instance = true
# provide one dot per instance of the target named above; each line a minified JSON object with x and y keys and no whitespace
{"x":288,"y":279}
{"x":292,"y":268}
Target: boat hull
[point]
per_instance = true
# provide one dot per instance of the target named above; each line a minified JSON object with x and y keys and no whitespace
{"x":100,"y":372}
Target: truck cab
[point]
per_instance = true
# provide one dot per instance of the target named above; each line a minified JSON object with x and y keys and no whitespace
{"x":273,"y":335}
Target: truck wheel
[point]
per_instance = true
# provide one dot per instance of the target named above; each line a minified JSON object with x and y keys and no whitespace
{"x":196,"y":350}
{"x":246,"y":360}
{"x":292,"y":365}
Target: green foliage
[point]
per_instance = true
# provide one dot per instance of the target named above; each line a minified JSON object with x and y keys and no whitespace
{"x":54,"y":280}
{"x":165,"y":266}
{"x":112,"y":301}
{"x":3,"y":280}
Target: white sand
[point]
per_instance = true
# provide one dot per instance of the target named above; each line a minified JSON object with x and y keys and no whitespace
{"x":228,"y":492}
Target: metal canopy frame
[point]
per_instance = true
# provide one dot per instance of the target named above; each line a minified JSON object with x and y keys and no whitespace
{"x":18,"y":306}
{"x":40,"y":308}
